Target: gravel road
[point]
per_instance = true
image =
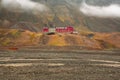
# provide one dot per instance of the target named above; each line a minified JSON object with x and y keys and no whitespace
{"x":59,"y":65}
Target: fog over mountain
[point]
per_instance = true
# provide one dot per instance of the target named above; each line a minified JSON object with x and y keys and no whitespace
{"x":22,"y":5}
{"x":94,"y":15}
{"x":28,"y":5}
{"x":112,"y":10}
{"x":98,"y":8}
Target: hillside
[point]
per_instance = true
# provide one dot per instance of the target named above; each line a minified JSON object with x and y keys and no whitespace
{"x":19,"y":39}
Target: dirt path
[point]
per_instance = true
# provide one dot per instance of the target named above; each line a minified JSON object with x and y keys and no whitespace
{"x":59,"y":65}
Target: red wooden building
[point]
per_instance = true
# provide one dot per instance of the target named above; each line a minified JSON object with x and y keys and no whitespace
{"x":68,"y":29}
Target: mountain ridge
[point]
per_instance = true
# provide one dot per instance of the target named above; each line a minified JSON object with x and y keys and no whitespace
{"x":60,"y":13}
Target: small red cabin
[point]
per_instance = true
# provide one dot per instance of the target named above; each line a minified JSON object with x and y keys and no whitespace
{"x":45,"y":29}
{"x":68,"y":29}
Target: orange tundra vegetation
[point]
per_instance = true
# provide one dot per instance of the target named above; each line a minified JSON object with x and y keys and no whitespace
{"x":97,"y":41}
{"x":57,"y":40}
{"x":112,"y":39}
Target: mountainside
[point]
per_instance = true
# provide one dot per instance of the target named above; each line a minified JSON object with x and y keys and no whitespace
{"x":60,"y":13}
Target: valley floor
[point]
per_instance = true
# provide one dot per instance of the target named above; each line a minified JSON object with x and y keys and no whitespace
{"x":35,"y":64}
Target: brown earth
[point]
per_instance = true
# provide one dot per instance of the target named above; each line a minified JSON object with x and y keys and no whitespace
{"x":110,"y":40}
{"x":12,"y":38}
{"x":33,"y":64}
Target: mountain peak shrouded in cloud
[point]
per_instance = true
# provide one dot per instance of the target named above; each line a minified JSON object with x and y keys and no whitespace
{"x":22,"y":5}
{"x":111,"y":11}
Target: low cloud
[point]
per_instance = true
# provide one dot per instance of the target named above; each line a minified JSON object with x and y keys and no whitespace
{"x":22,"y":5}
{"x":112,"y":10}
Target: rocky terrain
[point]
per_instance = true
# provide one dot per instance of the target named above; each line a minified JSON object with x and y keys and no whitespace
{"x":92,"y":52}
{"x":56,"y":65}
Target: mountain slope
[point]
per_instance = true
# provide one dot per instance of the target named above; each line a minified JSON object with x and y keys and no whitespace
{"x":60,"y":13}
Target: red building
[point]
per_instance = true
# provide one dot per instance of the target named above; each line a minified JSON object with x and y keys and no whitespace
{"x":68,"y":29}
{"x":45,"y":29}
